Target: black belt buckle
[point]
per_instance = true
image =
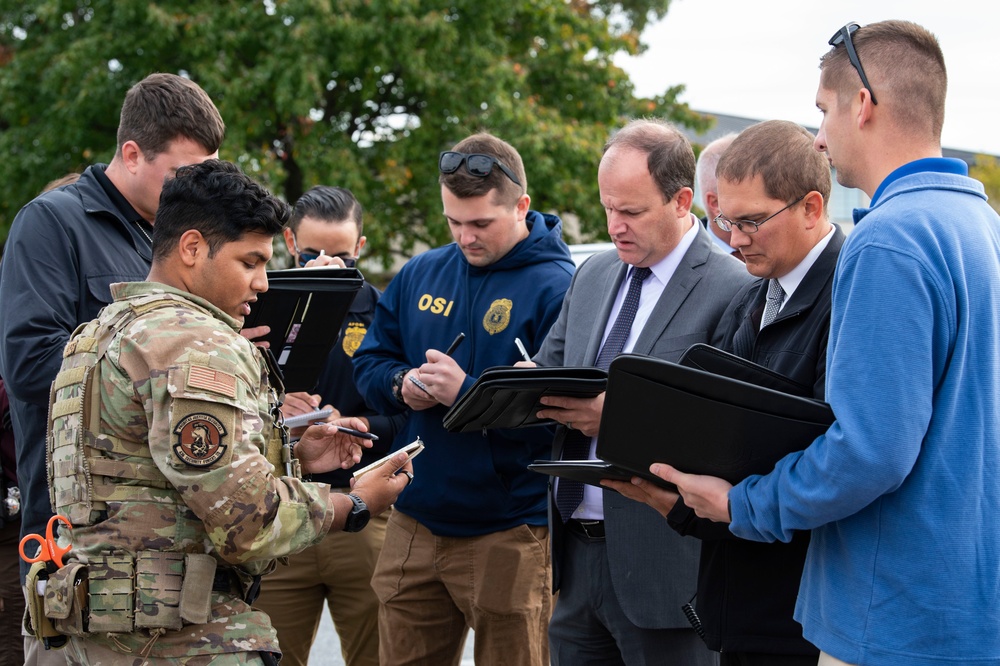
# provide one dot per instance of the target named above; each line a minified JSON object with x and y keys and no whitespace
{"x":590,"y":529}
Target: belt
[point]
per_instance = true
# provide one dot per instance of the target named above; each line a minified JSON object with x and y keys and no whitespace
{"x":592,"y":530}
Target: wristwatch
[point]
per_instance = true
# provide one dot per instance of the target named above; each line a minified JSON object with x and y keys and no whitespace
{"x":359,"y":515}
{"x":397,"y":385}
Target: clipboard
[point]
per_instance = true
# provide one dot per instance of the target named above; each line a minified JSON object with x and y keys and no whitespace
{"x":696,"y":421}
{"x":506,"y":397}
{"x":305,"y":308}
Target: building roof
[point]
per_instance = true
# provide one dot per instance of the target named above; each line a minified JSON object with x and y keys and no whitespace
{"x":724,"y":124}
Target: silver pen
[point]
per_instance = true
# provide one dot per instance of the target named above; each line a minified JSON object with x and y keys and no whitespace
{"x":520,"y":348}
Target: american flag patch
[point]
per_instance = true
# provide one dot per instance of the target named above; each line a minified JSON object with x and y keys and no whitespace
{"x":223,"y":383}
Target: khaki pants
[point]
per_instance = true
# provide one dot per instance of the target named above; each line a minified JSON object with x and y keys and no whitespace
{"x":336,"y":572}
{"x":432,"y":589}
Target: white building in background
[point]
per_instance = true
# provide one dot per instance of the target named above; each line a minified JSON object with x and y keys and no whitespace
{"x":843,"y":200}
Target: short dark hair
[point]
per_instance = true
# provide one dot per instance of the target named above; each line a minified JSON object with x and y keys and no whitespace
{"x":905,"y":66}
{"x":218,"y":200}
{"x":165,"y":107}
{"x":782,"y":154}
{"x":331,"y":204}
{"x":670,"y":158}
{"x":465,"y":186}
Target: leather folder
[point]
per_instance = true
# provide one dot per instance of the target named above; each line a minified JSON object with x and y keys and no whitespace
{"x":718,"y":362}
{"x":305,"y":308}
{"x":506,"y":397}
{"x":696,"y":421}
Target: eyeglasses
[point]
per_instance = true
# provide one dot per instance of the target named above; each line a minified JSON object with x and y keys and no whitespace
{"x":306,"y":257}
{"x":843,"y":36}
{"x":477,"y":164}
{"x":749,"y":226}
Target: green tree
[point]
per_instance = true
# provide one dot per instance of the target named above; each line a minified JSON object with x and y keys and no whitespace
{"x":359,"y":93}
{"x":987,"y":171}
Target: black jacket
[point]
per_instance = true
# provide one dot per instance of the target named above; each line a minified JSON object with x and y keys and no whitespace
{"x":336,"y":386}
{"x":746,"y":589}
{"x":65,"y":249}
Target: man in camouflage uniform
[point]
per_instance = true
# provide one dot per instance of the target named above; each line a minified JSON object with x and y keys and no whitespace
{"x":161,"y":419}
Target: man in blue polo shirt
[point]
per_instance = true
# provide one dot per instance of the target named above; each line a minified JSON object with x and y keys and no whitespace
{"x":901,"y":492}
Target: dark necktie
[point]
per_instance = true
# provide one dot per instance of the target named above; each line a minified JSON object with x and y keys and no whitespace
{"x":576,"y":445}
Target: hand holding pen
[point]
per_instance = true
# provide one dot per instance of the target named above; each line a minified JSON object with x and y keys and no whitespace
{"x":440,"y":379}
{"x":451,"y":350}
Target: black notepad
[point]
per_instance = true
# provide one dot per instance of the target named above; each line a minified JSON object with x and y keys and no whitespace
{"x":698,"y":422}
{"x":305,"y":308}
{"x":506,"y":397}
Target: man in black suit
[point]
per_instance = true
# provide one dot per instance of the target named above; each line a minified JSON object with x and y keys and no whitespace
{"x":773,"y":192}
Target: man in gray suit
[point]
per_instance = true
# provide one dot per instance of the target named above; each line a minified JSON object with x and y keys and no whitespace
{"x":622,"y":578}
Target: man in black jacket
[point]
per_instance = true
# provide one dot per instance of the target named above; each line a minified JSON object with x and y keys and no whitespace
{"x":329,"y":221}
{"x":773,"y":191}
{"x":65,"y":249}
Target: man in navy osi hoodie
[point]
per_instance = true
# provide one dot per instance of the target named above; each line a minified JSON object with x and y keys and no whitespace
{"x":467,"y":545}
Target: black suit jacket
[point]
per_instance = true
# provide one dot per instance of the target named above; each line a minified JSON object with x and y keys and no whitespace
{"x":747,"y":590}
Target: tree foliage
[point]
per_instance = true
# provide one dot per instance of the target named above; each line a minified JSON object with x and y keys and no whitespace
{"x":358,"y":93}
{"x":987,"y":171}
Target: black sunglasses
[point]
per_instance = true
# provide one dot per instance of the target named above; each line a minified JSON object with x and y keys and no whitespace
{"x":843,"y":36}
{"x":306,"y":257}
{"x":477,"y":164}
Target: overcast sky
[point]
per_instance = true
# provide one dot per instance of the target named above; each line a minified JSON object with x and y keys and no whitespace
{"x":760,"y":58}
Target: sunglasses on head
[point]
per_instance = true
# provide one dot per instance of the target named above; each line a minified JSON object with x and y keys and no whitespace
{"x":843,"y":36}
{"x":477,"y":164}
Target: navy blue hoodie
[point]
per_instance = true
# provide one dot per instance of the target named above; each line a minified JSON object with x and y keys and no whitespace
{"x":468,"y":484}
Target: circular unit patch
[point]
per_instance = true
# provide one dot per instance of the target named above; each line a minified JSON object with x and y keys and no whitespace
{"x":199,"y":440}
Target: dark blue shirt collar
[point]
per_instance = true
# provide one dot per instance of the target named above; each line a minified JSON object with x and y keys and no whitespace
{"x":935,"y":164}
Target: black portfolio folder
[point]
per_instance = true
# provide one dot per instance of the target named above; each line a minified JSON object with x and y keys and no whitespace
{"x":305,"y":308}
{"x":698,"y":422}
{"x":506,"y":397}
{"x":718,"y":362}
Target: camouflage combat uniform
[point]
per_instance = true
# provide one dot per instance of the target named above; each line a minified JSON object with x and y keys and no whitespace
{"x":162,"y":471}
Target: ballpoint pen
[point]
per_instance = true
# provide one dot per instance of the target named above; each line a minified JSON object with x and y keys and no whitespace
{"x":454,"y":345}
{"x":520,"y":348}
{"x":357,"y":433}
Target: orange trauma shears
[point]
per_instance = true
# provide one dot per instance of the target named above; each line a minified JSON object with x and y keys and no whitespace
{"x":48,"y":551}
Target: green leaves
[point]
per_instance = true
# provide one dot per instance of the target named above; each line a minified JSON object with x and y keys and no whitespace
{"x":358,"y":93}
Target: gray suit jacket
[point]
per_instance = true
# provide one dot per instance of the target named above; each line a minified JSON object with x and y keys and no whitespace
{"x":653,"y":569}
